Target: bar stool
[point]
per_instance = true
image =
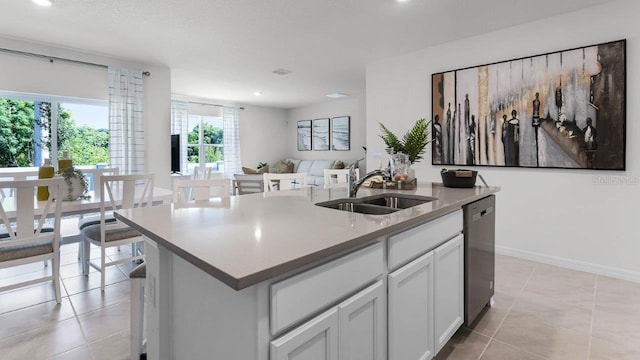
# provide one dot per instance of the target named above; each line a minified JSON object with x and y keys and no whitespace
{"x":138,"y":277}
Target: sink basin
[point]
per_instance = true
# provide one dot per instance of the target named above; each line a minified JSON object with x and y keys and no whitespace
{"x":348,"y":205}
{"x":397,"y":201}
{"x":377,"y":204}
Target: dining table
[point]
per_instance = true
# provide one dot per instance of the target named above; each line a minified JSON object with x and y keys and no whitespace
{"x":88,"y":204}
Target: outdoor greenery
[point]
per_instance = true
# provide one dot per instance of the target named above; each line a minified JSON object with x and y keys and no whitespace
{"x":211,"y":135}
{"x":86,"y":146}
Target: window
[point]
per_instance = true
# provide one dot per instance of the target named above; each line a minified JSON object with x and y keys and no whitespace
{"x":205,"y":136}
{"x":36,"y":127}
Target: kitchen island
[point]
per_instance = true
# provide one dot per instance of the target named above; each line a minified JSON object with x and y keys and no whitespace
{"x":272,"y":275}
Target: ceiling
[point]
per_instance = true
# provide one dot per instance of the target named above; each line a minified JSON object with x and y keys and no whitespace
{"x":227,"y":49}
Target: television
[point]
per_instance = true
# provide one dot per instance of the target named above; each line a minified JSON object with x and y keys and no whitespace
{"x":175,"y":153}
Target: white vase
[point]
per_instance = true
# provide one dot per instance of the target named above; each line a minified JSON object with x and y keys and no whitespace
{"x":74,"y":191}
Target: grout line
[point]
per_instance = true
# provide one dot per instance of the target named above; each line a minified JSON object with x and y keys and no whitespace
{"x":593,"y":313}
{"x":519,"y":349}
{"x":515,"y":298}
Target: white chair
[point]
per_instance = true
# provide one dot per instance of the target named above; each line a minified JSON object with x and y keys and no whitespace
{"x":30,"y":239}
{"x":185,"y":191}
{"x":118,"y":192}
{"x":337,"y":177}
{"x":93,"y":219}
{"x":284,"y":181}
{"x":201,"y":173}
{"x":248,"y":184}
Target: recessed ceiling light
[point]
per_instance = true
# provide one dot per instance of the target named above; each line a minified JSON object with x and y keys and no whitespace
{"x":402,"y":1}
{"x":337,"y":95}
{"x":43,"y":2}
{"x":257,"y":93}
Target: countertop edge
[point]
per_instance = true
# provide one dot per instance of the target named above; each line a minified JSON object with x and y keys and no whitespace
{"x":300,"y":262}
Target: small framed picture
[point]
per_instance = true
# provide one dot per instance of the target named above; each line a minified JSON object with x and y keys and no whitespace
{"x":321,"y":134}
{"x":304,"y":135}
{"x":340,"y":133}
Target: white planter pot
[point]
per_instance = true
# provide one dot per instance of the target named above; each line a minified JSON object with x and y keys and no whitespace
{"x":73,"y":193}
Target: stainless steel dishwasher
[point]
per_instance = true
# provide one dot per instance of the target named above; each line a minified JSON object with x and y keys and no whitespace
{"x":479,"y":252}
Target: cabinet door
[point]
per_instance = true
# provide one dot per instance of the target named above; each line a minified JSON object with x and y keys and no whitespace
{"x":314,"y":340}
{"x":411,"y":310}
{"x":448,"y":265}
{"x":361,"y":328}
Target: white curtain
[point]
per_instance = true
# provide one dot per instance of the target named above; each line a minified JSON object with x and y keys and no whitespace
{"x":231,"y":141}
{"x":126,"y":135}
{"x":179,"y":125}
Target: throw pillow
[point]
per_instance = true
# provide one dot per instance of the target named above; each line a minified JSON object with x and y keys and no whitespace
{"x":283,"y":167}
{"x":262,"y":170}
{"x":338,"y":165}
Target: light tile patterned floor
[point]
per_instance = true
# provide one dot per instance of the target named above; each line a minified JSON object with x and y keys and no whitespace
{"x":540,"y":312}
{"x":547,"y":312}
{"x":88,"y":324}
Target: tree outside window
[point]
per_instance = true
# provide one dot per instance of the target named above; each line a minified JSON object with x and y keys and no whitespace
{"x":26,"y":133}
{"x":206,"y":137}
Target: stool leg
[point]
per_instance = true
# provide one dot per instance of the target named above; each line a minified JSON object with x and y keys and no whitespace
{"x":86,"y":254}
{"x":136,"y":317}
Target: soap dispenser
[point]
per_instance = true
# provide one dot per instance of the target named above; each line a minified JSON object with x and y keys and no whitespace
{"x":44,"y":172}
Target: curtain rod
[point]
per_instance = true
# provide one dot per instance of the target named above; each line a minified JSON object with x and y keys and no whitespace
{"x":52,"y":58}
{"x":218,"y":105}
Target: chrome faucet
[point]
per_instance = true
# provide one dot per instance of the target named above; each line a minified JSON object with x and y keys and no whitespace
{"x":354,"y":186}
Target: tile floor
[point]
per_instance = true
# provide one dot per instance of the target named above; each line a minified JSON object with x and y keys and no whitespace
{"x":547,"y":312}
{"x":540,"y":312}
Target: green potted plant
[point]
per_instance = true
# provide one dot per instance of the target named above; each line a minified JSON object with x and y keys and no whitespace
{"x":413,"y":143}
{"x":77,"y":185}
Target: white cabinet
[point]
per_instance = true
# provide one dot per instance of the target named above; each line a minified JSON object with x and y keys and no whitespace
{"x":314,"y":340}
{"x":352,"y":330}
{"x":426,"y":302}
{"x":448,"y":265}
{"x":411,"y":310}
{"x":361,"y":329}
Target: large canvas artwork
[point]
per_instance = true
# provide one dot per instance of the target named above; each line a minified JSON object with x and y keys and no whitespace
{"x":558,"y":110}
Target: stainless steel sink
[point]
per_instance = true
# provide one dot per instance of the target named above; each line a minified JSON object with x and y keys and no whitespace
{"x":377,"y":204}
{"x":397,"y":201}
{"x":350,"y":206}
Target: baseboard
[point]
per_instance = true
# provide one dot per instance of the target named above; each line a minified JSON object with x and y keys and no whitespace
{"x":571,"y":264}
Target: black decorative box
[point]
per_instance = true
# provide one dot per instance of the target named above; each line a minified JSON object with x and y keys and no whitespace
{"x":459,"y":178}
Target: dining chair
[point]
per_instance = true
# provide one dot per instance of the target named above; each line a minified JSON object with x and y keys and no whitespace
{"x":118,"y":192}
{"x":27,"y":236}
{"x":94,"y":218}
{"x":187,"y":190}
{"x":284,"y":181}
{"x":201,"y":173}
{"x":337,"y":177}
{"x":248,"y":184}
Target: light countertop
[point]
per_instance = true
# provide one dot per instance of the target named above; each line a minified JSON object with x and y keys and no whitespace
{"x":246,"y":239}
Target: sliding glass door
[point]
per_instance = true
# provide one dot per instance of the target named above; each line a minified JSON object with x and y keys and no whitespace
{"x":37,"y":127}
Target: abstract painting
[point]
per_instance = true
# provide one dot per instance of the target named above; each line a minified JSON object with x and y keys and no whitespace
{"x":564,"y":109}
{"x":340,"y":133}
{"x":304,"y":135}
{"x":321,"y":134}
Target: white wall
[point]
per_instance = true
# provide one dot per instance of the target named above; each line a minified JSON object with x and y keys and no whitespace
{"x":34,"y":75}
{"x":263,"y":135}
{"x":576,"y":218}
{"x":353,"y":107}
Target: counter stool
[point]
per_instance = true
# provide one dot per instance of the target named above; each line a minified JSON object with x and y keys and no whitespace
{"x":138,"y":277}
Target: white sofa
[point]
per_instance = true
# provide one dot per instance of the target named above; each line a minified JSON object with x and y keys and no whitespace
{"x":313,"y":168}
